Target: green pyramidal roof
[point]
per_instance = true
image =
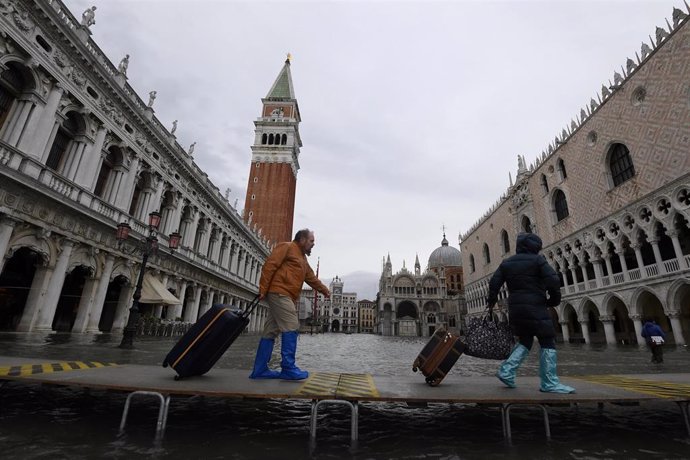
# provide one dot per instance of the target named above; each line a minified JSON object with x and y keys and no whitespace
{"x":282,"y":87}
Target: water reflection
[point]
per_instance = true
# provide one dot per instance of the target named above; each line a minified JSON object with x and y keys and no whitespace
{"x":39,"y":422}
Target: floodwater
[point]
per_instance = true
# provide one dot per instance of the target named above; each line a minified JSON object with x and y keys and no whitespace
{"x":41,"y":422}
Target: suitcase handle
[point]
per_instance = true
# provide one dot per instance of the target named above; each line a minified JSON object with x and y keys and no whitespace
{"x":250,"y":308}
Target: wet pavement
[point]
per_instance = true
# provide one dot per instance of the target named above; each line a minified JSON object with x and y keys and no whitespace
{"x":42,"y":422}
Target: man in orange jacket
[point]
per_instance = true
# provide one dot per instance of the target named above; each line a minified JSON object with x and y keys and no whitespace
{"x":282,"y":277}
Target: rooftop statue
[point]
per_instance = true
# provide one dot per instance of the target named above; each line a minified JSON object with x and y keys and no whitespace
{"x":124,"y":63}
{"x":88,"y":17}
{"x":152,"y":97}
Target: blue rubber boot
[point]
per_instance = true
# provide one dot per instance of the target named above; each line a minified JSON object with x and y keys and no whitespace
{"x":547,"y":372}
{"x":263,"y":356}
{"x":508,"y":369}
{"x":288,"y":347}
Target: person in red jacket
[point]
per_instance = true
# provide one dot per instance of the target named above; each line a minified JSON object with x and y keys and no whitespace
{"x":282,"y":277}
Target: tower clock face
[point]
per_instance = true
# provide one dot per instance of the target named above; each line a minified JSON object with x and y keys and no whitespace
{"x":336,"y":311}
{"x":337,"y":290}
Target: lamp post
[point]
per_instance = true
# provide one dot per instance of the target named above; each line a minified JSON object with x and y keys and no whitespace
{"x":149,"y":246}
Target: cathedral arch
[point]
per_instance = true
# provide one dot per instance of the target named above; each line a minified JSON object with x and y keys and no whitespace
{"x":486,"y":253}
{"x":544,"y":184}
{"x":526,"y":224}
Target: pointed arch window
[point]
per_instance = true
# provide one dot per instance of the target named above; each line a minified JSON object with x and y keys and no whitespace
{"x":283,"y":139}
{"x":487,"y":254}
{"x":560,"y":164}
{"x":544,"y":184}
{"x":472,"y":268}
{"x":264,"y":138}
{"x":620,"y":164}
{"x":505,"y":242}
{"x":526,"y":224}
{"x":561,"y":205}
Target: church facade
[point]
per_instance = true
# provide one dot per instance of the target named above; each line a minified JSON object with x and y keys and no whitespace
{"x":417,"y":303}
{"x":610,"y":198}
{"x":81,"y":152}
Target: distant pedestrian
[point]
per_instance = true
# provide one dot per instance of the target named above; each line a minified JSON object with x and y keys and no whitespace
{"x":655,"y":337}
{"x":282,"y":277}
{"x":529,"y":277}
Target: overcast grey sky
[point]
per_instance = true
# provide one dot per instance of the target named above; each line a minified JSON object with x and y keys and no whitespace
{"x":413,"y":112}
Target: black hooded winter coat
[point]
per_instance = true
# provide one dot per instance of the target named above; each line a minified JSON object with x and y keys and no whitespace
{"x":529,"y":277}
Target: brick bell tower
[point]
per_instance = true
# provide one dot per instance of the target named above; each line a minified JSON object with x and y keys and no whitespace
{"x":270,"y":201}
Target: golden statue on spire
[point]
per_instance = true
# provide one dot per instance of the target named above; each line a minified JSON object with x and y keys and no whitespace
{"x":289,"y":57}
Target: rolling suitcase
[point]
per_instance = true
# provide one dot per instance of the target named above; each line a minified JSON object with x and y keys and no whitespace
{"x":438,"y":356}
{"x":205,"y":342}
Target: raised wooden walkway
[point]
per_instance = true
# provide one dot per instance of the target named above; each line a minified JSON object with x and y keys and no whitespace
{"x":349,"y":389}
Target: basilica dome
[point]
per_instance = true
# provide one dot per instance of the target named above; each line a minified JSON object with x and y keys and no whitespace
{"x":445,"y":256}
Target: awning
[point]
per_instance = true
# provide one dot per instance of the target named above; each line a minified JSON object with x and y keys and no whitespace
{"x":153,"y":291}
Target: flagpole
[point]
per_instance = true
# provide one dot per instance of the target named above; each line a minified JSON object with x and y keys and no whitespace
{"x":313,"y":314}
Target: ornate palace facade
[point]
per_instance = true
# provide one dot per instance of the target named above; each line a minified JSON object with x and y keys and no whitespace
{"x":80,"y":152}
{"x":611,"y":200}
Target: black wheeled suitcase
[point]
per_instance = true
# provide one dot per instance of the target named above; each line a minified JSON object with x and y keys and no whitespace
{"x":438,"y":356}
{"x":205,"y":342}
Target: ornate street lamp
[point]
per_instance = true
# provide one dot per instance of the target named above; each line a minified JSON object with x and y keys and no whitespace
{"x":148,"y":246}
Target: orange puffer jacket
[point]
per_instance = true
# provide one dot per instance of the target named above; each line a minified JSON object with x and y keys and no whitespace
{"x":286,"y":270}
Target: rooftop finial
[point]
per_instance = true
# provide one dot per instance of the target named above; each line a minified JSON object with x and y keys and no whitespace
{"x":289,"y":58}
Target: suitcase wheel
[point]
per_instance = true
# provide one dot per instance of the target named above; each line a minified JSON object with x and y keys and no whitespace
{"x":177,"y":377}
{"x":165,"y":364}
{"x":432,"y":382}
{"x":414,"y":368}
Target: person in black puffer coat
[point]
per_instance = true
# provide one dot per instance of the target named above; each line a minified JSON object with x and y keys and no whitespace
{"x":529,"y":278}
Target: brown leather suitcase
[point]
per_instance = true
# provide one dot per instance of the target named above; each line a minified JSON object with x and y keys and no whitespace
{"x":438,"y":356}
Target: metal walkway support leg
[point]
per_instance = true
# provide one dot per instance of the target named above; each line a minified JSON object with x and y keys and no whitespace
{"x":685,"y":410}
{"x":354,"y":418}
{"x":162,"y":411}
{"x":505,"y":419}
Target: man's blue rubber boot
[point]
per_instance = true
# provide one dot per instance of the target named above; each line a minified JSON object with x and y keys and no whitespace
{"x":547,"y":372}
{"x":263,"y":356}
{"x":288,"y":347}
{"x":508,"y":369}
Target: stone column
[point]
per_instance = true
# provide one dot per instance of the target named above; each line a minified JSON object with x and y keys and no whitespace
{"x":565,"y":330}
{"x":598,"y":274}
{"x":175,"y":311}
{"x":44,"y":320}
{"x":75,"y":160}
{"x":584,"y":325}
{"x":174,"y":224}
{"x":609,"y":269}
{"x":194,"y":308}
{"x":673,"y":233}
{"x":609,"y":330}
{"x":225,"y":254}
{"x":565,"y":277}
{"x":624,"y":266}
{"x":657,"y":255}
{"x":36,"y":144}
{"x":17,"y":119}
{"x":124,"y":198}
{"x":97,"y":309}
{"x":88,"y":294}
{"x":123,"y":304}
{"x":640,"y":261}
{"x":190,"y":229}
{"x":7,"y":225}
{"x":37,"y":293}
{"x":87,"y":175}
{"x":637,"y":322}
{"x":234,"y":254}
{"x":674,"y":316}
